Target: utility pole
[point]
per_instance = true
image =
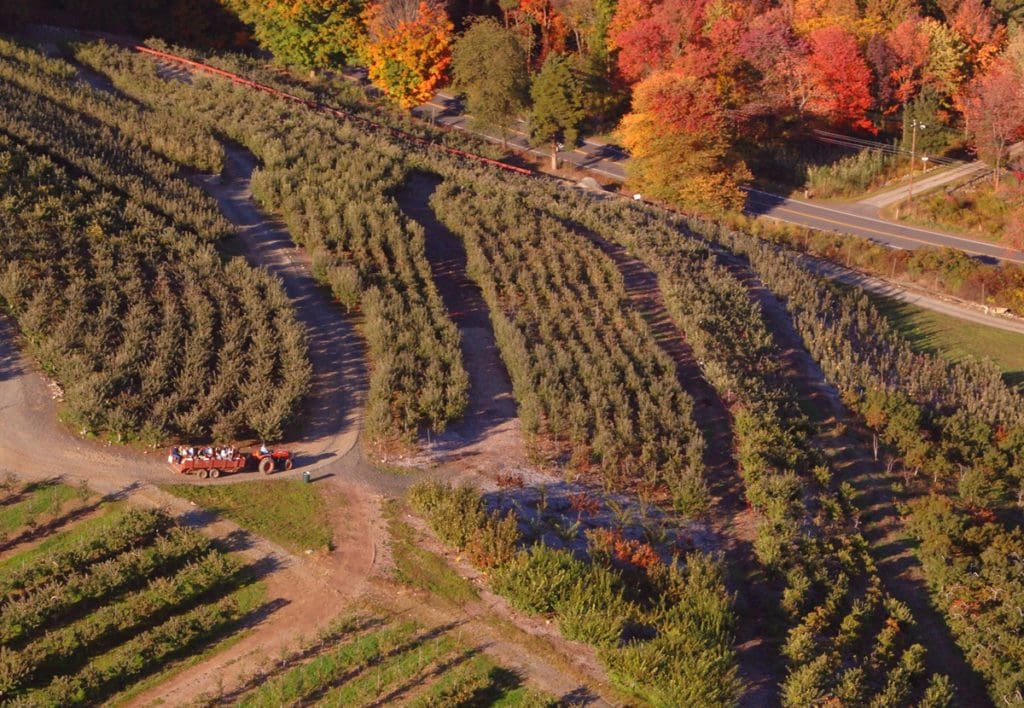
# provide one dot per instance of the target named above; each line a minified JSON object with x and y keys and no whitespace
{"x":913,"y":148}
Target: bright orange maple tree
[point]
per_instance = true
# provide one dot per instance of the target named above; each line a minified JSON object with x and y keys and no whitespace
{"x":409,"y":50}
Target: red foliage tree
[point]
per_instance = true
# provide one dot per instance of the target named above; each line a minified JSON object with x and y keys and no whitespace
{"x":771,"y":47}
{"x":993,"y":106}
{"x":839,"y":79}
{"x":651,"y":36}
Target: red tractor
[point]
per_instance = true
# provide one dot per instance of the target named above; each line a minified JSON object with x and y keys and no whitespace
{"x":213,"y":462}
{"x":267,"y":461}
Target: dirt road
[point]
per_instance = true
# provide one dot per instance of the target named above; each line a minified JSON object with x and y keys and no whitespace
{"x":487,"y":440}
{"x":331,"y":417}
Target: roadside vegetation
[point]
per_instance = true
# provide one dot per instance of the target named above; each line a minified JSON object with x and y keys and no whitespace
{"x":288,"y":512}
{"x":111,"y":272}
{"x":944,"y":270}
{"x":110,"y":601}
{"x":980,"y":210}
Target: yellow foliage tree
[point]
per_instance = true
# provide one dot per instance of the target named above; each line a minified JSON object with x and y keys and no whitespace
{"x":409,"y":49}
{"x":679,"y":137}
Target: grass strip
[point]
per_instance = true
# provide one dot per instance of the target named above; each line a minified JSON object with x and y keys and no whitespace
{"x":42,"y":499}
{"x":288,"y":512}
{"x":419,"y":567}
{"x":955,"y":339}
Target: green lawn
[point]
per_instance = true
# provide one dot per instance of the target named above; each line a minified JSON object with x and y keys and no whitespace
{"x":290,"y":513}
{"x":957,"y":339}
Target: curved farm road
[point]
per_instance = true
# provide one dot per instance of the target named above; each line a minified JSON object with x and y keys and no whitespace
{"x":330,"y":423}
{"x":303,"y":592}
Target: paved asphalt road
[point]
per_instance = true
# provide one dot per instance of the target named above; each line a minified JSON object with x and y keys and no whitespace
{"x":610,"y":162}
{"x":859,"y":221}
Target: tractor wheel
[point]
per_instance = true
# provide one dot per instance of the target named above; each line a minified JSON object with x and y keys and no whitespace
{"x":215,"y":473}
{"x":203,"y":474}
{"x":267,"y":465}
{"x":288,"y":464}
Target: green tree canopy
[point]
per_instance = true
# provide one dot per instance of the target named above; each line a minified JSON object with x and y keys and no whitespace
{"x":308,"y":33}
{"x":489,"y":66}
{"x":557,"y":105}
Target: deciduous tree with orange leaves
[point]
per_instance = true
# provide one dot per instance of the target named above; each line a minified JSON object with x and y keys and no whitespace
{"x":409,"y":49}
{"x":994,"y":113}
{"x":680,"y":139}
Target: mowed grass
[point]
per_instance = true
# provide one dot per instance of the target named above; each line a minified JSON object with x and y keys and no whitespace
{"x":956,"y":339}
{"x":288,"y":512}
{"x":419,"y":567}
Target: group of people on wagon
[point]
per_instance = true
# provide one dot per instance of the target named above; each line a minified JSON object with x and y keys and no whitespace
{"x":201,"y":453}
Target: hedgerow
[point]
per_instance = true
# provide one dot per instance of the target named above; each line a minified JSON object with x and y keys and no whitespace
{"x":26,"y":616}
{"x":806,"y":534}
{"x":59,"y":649}
{"x":132,"y":528}
{"x":586,"y":371}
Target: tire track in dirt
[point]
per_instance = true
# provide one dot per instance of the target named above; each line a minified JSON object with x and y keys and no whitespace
{"x":851,"y":455}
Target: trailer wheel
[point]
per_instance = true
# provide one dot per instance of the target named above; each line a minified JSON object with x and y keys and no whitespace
{"x":267,"y":465}
{"x":203,"y":474}
{"x":215,"y":473}
{"x":288,"y":464}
